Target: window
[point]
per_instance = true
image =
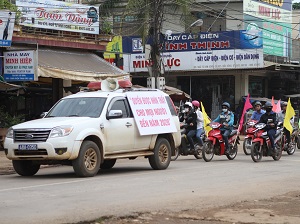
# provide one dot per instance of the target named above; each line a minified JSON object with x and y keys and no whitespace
{"x":171,"y":106}
{"x":78,"y":107}
{"x":121,"y":105}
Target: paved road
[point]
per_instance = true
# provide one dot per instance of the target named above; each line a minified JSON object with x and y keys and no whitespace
{"x":55,"y":195}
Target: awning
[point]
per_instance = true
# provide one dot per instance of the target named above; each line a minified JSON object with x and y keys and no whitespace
{"x":75,"y":65}
{"x":176,"y":94}
{"x":262,"y":99}
{"x":5,"y":86}
{"x":293,"y":95}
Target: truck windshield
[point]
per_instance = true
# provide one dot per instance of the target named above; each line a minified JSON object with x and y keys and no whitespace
{"x":78,"y":107}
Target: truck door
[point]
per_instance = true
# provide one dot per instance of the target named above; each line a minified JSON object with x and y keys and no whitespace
{"x":119,"y":132}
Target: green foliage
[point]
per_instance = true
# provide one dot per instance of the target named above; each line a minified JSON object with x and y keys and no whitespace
{"x":144,"y":13}
{"x":106,"y":27}
{"x":7,"y":120}
{"x":296,"y":5}
{"x":4,"y":4}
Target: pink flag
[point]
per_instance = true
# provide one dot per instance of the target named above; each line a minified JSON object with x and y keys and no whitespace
{"x":278,"y":107}
{"x":273,"y":104}
{"x":247,"y":106}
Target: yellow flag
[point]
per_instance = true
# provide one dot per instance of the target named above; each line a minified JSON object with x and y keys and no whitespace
{"x":290,"y":112}
{"x":206,"y":120}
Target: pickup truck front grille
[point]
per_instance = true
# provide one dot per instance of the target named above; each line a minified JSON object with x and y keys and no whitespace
{"x":31,"y":152}
{"x":31,"y":135}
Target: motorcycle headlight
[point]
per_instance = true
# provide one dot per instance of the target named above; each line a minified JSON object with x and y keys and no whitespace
{"x":10,"y":133}
{"x":60,"y":131}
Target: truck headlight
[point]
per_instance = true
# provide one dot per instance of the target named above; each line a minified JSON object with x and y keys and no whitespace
{"x":10,"y":133}
{"x":60,"y":131}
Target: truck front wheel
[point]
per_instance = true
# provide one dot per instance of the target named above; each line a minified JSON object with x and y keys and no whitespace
{"x":87,"y":163}
{"x":25,"y":167}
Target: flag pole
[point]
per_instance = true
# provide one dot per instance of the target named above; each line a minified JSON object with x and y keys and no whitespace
{"x":237,"y":135}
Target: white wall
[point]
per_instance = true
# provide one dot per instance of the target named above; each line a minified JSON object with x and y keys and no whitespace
{"x":234,"y":17}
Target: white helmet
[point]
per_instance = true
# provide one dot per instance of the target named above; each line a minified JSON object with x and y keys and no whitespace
{"x":188,"y":104}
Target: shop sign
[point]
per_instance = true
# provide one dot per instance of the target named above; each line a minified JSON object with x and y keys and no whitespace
{"x":274,"y":19}
{"x":7,"y":22}
{"x":204,"y":51}
{"x":20,"y":66}
{"x":277,"y":11}
{"x":58,"y":15}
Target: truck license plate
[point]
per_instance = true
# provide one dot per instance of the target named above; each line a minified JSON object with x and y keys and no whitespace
{"x":28,"y":147}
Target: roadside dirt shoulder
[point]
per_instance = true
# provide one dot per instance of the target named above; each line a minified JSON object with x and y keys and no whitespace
{"x":283,"y":209}
{"x":5,"y":164}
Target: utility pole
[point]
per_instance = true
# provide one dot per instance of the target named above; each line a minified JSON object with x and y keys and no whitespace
{"x":155,"y":32}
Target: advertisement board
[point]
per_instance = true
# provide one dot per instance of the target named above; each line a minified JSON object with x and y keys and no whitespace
{"x":205,"y":51}
{"x":7,"y":22}
{"x":112,"y":48}
{"x":20,"y":66}
{"x":274,"y":19}
{"x":58,"y":15}
{"x":151,"y":113}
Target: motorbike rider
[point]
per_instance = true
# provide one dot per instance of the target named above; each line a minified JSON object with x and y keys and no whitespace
{"x":280,"y":117}
{"x":270,"y":119}
{"x":258,"y":111}
{"x":189,"y":117}
{"x":200,"y":122}
{"x":226,"y":118}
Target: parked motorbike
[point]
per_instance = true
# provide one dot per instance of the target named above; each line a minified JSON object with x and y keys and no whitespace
{"x":250,"y":134}
{"x":184,"y":149}
{"x":214,"y":144}
{"x":261,"y":144}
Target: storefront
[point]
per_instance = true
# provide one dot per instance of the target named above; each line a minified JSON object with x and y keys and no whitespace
{"x":60,"y":72}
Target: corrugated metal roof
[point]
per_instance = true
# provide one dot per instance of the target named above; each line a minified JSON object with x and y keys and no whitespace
{"x":77,"y":61}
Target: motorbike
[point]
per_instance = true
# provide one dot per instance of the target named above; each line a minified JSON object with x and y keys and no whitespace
{"x":289,"y":148}
{"x":261,"y":144}
{"x":214,"y":144}
{"x":297,"y":140}
{"x":250,"y":134}
{"x":184,"y":149}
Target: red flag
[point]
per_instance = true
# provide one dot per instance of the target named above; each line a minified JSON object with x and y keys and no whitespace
{"x":278,"y":107}
{"x":247,"y":106}
{"x":273,"y":104}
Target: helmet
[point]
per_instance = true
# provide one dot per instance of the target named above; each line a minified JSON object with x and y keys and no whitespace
{"x":196,"y":103}
{"x":284,"y":104}
{"x":188,"y":104}
{"x":257,"y":103}
{"x":268,"y":104}
{"x":226,"y":105}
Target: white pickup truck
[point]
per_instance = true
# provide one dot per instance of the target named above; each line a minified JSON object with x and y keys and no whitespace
{"x":91,"y":130}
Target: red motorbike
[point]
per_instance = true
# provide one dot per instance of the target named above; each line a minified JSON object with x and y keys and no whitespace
{"x":261,"y":144}
{"x":250,"y":135}
{"x":214,"y":143}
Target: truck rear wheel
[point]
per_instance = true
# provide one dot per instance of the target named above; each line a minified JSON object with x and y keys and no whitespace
{"x":162,"y":155}
{"x":87,"y":163}
{"x":25,"y":167}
